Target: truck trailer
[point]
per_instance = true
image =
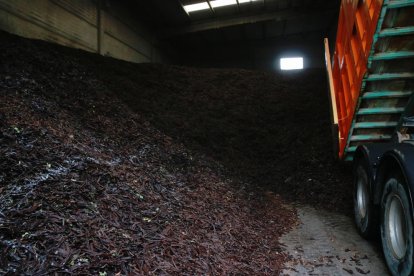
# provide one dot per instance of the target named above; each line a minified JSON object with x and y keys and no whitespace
{"x":371,"y":82}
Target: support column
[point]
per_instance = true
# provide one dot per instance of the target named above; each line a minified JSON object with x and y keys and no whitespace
{"x":100,"y":27}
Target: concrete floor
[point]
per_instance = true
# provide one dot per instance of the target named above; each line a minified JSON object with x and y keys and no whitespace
{"x":326,"y":243}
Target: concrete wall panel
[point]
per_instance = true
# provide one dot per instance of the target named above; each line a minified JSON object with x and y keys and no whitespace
{"x":45,"y":20}
{"x":74,"y":23}
{"x":118,"y":49}
{"x":117,"y":30}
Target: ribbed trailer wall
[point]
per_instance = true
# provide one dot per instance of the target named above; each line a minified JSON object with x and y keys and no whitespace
{"x":372,"y":71}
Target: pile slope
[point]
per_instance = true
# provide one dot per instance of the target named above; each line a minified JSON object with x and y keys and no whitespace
{"x":89,"y":186}
{"x":109,"y":166}
{"x":271,"y":129}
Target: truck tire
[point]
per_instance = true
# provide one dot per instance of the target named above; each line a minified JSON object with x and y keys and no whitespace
{"x":365,"y":219}
{"x":397,"y":226}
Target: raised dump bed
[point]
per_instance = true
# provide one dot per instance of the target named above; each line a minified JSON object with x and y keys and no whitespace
{"x":371,"y":72}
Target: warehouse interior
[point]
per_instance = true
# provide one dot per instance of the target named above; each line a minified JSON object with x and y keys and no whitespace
{"x":162,"y":137}
{"x":249,"y":34}
{"x":242,"y":34}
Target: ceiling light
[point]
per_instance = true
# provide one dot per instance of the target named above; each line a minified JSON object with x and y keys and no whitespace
{"x":196,"y":7}
{"x":291,"y":63}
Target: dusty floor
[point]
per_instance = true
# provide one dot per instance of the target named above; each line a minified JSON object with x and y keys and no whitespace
{"x":113,"y":167}
{"x":327,"y":243}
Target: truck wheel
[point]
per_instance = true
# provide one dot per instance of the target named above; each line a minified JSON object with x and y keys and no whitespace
{"x":363,"y":207}
{"x":397,"y":227}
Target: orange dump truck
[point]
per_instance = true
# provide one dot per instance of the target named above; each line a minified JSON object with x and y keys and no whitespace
{"x":371,"y":83}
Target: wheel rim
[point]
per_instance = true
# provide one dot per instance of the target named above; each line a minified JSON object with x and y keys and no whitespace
{"x":362,"y":193}
{"x":397,"y":227}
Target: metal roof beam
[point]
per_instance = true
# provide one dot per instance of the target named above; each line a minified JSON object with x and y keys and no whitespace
{"x":209,"y":5}
{"x":216,"y":23}
{"x":182,"y":6}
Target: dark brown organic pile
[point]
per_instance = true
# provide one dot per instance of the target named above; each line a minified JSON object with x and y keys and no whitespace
{"x":271,"y":129}
{"x":109,"y":167}
{"x":90,"y":187}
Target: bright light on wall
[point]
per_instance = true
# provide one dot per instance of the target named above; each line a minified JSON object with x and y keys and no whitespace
{"x":291,"y":63}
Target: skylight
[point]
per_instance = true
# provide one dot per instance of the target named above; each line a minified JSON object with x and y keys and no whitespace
{"x":196,"y":7}
{"x":214,"y":4}
{"x":222,"y":3}
{"x":294,"y":63}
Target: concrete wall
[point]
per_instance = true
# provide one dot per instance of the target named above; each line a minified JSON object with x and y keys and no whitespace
{"x":85,"y":24}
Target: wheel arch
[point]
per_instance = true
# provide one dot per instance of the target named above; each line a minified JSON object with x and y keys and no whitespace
{"x":401,"y":158}
{"x":371,"y":153}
